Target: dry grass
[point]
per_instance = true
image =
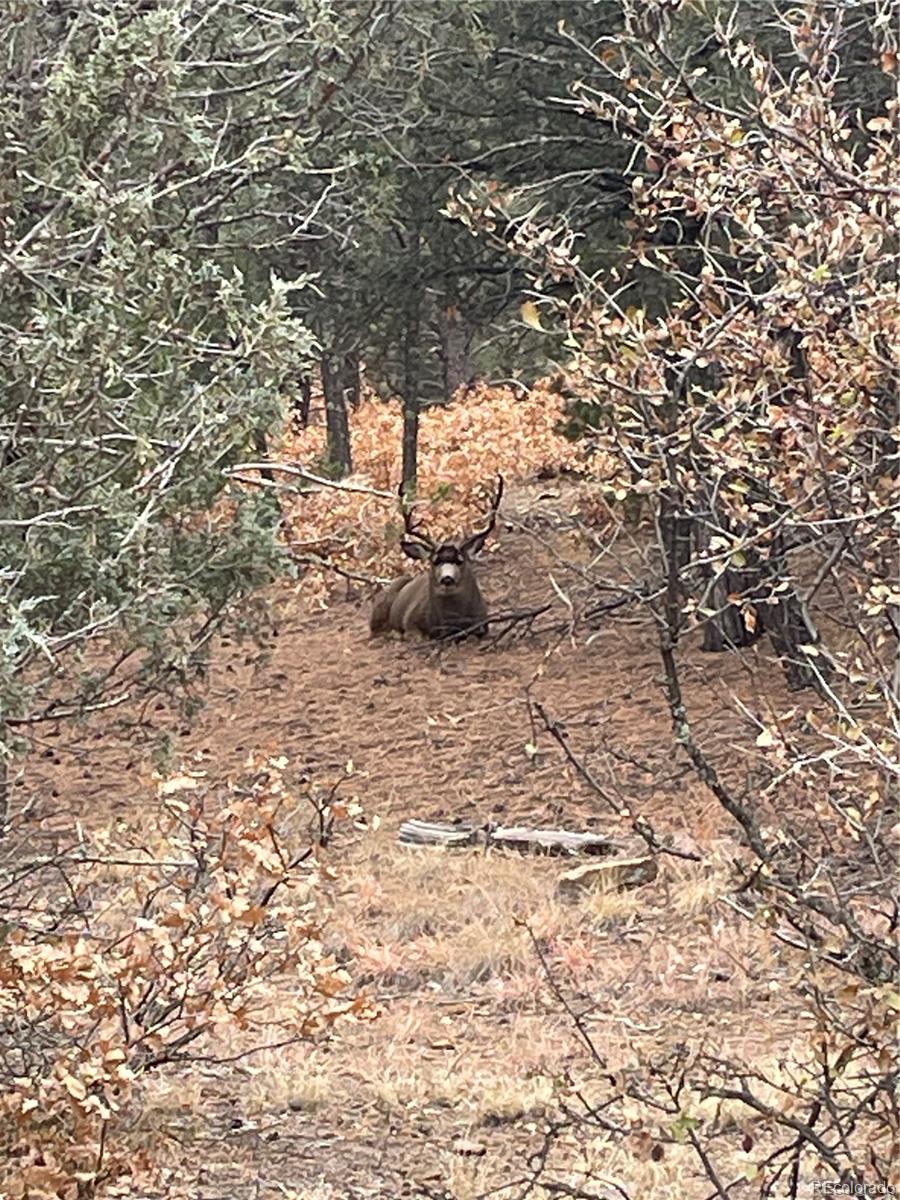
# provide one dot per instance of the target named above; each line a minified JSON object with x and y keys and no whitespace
{"x":474,"y":1047}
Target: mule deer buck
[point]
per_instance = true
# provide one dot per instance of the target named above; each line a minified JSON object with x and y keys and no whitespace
{"x":446,"y":601}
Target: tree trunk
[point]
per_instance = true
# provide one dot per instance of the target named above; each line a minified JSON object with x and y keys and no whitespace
{"x":301,"y":409}
{"x":336,"y":423}
{"x":456,"y":366}
{"x":272,"y":501}
{"x":350,"y":383}
{"x":675,"y":540}
{"x":739,"y":622}
{"x":410,"y":435}
{"x":261,"y":446}
{"x":4,"y":782}
{"x":411,"y":374}
{"x":791,"y":628}
{"x":730,"y":624}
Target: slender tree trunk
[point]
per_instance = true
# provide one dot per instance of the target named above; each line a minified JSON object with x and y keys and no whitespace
{"x":730,"y":625}
{"x":456,"y":366}
{"x":791,"y":629}
{"x":349,"y":372}
{"x":273,"y":500}
{"x":302,"y":409}
{"x":411,"y":379}
{"x":4,"y":784}
{"x":885,"y":447}
{"x":675,"y":539}
{"x":674,"y":529}
{"x":787,"y":620}
{"x":336,"y":422}
{"x":261,"y":446}
{"x":891,"y":780}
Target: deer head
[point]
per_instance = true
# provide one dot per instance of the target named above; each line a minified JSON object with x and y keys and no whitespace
{"x":451,"y":568}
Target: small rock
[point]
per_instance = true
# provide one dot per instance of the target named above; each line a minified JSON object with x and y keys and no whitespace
{"x":614,"y":874}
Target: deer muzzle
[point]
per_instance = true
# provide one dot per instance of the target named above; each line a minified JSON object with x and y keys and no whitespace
{"x":447,"y":575}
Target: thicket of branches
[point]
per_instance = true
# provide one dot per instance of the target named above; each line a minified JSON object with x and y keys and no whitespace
{"x":150,"y":946}
{"x":141,"y":349}
{"x":754,"y":409}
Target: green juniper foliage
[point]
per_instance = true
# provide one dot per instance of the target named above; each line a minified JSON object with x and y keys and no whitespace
{"x":141,"y":351}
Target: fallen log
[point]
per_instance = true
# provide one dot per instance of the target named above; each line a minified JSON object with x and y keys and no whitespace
{"x":436,"y":833}
{"x":513,"y":837}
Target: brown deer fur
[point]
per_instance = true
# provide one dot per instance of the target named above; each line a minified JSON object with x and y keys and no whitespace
{"x":445,"y":601}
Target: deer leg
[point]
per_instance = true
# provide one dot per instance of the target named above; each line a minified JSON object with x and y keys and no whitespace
{"x":380,"y":620}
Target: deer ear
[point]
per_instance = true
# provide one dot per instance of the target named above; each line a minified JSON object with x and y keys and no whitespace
{"x":415,"y":550}
{"x":475,"y":544}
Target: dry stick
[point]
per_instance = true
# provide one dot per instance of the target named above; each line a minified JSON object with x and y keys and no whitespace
{"x":881,"y":959}
{"x":801,"y":1128}
{"x":299,"y":472}
{"x":585,"y":1036}
{"x":607,"y":606}
{"x":509,"y":619}
{"x":314,"y":560}
{"x":576,"y":1020}
{"x":709,"y":1167}
{"x":639,"y":825}
{"x":704,"y":769}
{"x":61,"y":714}
{"x":798,"y":1148}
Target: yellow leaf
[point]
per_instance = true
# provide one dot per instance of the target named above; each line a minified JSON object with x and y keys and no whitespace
{"x":531,"y":316}
{"x":74,"y":1086}
{"x":178,"y":783}
{"x":766,"y":739}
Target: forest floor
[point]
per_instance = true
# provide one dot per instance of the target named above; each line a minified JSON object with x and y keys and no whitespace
{"x":448,"y":1092}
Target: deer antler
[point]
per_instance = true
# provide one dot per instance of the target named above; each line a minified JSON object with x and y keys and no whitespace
{"x":495,"y":504}
{"x":413,"y":530}
{"x":477,"y":540}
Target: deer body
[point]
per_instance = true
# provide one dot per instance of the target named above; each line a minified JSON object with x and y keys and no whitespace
{"x":444,"y":602}
{"x":417,"y":604}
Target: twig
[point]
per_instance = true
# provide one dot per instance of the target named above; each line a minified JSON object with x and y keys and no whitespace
{"x":58,"y":714}
{"x":314,"y":560}
{"x":639,"y":825}
{"x":508,"y":619}
{"x":338,"y":485}
{"x":577,"y":1021}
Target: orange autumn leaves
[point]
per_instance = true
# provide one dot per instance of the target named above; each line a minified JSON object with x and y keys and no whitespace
{"x":462,"y":448}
